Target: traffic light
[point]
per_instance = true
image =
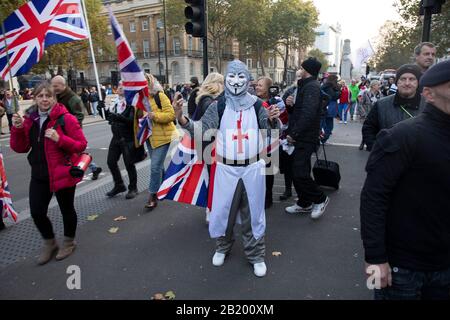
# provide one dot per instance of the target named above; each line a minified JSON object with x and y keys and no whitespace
{"x":434,"y":5}
{"x":196,"y":13}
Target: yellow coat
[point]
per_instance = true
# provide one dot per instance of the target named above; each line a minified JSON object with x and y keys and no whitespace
{"x":163,"y":128}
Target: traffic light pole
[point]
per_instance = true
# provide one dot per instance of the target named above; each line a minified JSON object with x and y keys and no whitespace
{"x":426,"y":30}
{"x":205,"y":40}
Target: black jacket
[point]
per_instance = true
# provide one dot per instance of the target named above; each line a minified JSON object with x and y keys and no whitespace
{"x":304,"y":122}
{"x":191,"y":102}
{"x":405,"y":202}
{"x":202,"y":105}
{"x":122,"y":125}
{"x":385,"y":113}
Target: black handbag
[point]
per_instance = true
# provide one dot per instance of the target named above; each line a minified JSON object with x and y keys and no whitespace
{"x":138,"y":154}
{"x":326,"y":173}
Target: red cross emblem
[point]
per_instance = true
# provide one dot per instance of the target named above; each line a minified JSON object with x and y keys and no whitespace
{"x":240,"y":136}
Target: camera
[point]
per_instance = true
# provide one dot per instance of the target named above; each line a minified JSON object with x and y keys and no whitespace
{"x":274,"y":91}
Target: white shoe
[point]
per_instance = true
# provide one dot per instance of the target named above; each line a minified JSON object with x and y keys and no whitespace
{"x":297,"y":209}
{"x":345,"y":122}
{"x":340,"y":121}
{"x":218,"y":259}
{"x":319,"y":209}
{"x":260,"y":269}
{"x":207,"y":215}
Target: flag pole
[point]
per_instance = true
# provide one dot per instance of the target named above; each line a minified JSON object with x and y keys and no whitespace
{"x":99,"y":89}
{"x":11,"y":86}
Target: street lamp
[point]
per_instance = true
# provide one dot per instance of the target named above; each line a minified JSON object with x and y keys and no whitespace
{"x":158,"y":28}
{"x":166,"y":80}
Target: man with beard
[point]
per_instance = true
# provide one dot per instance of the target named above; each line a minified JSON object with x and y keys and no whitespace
{"x":406,"y":103}
{"x":239,"y":183}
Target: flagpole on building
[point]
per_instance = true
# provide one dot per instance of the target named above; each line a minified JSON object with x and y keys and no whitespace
{"x":99,"y":89}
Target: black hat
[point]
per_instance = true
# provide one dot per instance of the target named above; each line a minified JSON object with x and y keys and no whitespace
{"x":436,"y":75}
{"x":312,"y":66}
{"x":408,"y":68}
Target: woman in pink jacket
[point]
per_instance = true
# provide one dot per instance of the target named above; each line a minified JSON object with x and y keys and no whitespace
{"x":51,"y":146}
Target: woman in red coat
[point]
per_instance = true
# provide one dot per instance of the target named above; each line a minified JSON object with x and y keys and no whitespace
{"x":51,"y":146}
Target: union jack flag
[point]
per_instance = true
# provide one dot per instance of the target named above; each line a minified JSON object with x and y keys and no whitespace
{"x":133,"y":80}
{"x":186,"y":179}
{"x":7,"y":209}
{"x":33,"y":27}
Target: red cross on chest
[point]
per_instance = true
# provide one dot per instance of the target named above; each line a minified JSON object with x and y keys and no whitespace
{"x":240,"y":136}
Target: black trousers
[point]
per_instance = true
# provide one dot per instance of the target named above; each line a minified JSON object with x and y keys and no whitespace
{"x":269,"y":187}
{"x":307,"y":190}
{"x":118,"y":147}
{"x":40,"y":197}
{"x":286,"y":165}
{"x":9,"y":116}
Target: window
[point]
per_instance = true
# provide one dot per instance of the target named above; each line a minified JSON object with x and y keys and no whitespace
{"x":146,"y":46}
{"x":249,"y":63}
{"x":191,"y":68}
{"x":190,"y":45}
{"x":161,"y":45}
{"x":132,"y":26}
{"x":160,"y":68}
{"x":133,"y":46}
{"x":176,"y":46}
{"x":145,"y":24}
{"x":175,"y":69}
{"x":271,"y":63}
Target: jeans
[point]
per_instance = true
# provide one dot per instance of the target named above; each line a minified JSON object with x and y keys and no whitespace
{"x":416,"y":285}
{"x":40,"y":197}
{"x":327,"y":125}
{"x":352,"y":109}
{"x":343,"y":110}
{"x":307,"y":190}
{"x":157,"y":157}
{"x":94,"y":108}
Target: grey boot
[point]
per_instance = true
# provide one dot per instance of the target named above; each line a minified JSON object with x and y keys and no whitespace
{"x":50,"y":246}
{"x":67,"y":248}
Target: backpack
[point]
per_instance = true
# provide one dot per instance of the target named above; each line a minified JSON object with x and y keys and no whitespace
{"x":158,"y":103}
{"x":324,"y":102}
{"x":221,"y":104}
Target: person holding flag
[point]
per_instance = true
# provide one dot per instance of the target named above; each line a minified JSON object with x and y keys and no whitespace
{"x":239,"y":177}
{"x":163,"y":132}
{"x":154,"y":114}
{"x":49,"y":133}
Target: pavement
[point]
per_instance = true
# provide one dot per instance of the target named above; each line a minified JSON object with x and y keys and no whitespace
{"x":169,"y":249}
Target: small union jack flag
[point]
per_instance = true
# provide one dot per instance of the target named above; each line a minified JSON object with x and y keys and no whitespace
{"x":7,"y":209}
{"x":35,"y":26}
{"x":134,"y":83}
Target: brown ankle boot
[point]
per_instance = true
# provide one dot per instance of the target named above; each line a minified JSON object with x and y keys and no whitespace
{"x":67,"y":249}
{"x":152,"y":202}
{"x":49,"y":249}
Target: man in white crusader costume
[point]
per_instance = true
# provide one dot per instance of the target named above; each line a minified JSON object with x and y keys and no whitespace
{"x":239,"y":183}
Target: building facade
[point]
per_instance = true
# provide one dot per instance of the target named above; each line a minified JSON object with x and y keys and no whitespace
{"x":142,"y":22}
{"x":329,"y":41}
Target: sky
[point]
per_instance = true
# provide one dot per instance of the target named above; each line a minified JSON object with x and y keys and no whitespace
{"x":360,"y":19}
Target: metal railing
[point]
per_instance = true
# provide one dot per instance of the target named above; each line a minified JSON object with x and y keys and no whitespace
{"x":196,"y":54}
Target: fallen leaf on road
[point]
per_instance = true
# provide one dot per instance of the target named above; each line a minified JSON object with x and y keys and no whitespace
{"x":92,"y":217}
{"x":276,"y":253}
{"x":121,"y":218}
{"x":113,"y":230}
{"x":158,"y":296}
{"x":169,"y":295}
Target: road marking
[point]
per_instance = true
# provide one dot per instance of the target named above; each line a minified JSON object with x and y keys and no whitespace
{"x":343,"y":144}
